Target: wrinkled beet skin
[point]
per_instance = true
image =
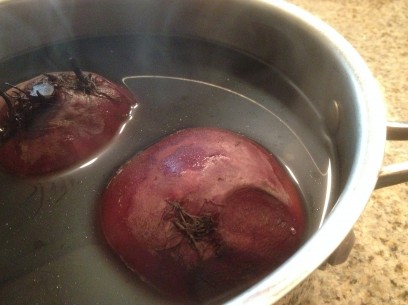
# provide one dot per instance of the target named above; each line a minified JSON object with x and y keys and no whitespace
{"x":257,"y":210}
{"x":73,"y":128}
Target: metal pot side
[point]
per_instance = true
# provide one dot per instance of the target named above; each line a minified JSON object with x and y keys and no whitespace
{"x":308,"y":52}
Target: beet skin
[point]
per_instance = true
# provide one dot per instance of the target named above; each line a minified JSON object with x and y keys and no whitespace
{"x":56,"y":120}
{"x":201,"y":213}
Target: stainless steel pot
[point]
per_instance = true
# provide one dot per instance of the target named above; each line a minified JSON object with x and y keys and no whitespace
{"x":330,"y":89}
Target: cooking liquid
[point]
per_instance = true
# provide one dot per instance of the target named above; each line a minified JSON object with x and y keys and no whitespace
{"x":52,"y":250}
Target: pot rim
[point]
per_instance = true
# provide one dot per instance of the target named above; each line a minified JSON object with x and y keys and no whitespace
{"x":363,"y":175}
{"x":362,"y":179}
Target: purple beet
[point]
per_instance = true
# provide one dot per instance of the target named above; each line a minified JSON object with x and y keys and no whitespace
{"x":202,"y":212}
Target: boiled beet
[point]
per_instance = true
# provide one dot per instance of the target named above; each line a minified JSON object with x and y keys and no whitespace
{"x":56,"y":120}
{"x":202,"y":212}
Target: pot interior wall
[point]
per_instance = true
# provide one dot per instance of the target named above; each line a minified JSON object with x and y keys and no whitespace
{"x":227,"y":64}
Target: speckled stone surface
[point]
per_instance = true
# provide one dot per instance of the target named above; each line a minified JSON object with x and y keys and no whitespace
{"x":377,"y":269}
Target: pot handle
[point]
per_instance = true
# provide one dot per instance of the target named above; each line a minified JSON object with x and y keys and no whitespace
{"x":394,"y":173}
{"x":389,"y":175}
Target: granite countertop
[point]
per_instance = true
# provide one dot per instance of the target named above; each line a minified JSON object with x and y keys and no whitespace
{"x":376,"y":271}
